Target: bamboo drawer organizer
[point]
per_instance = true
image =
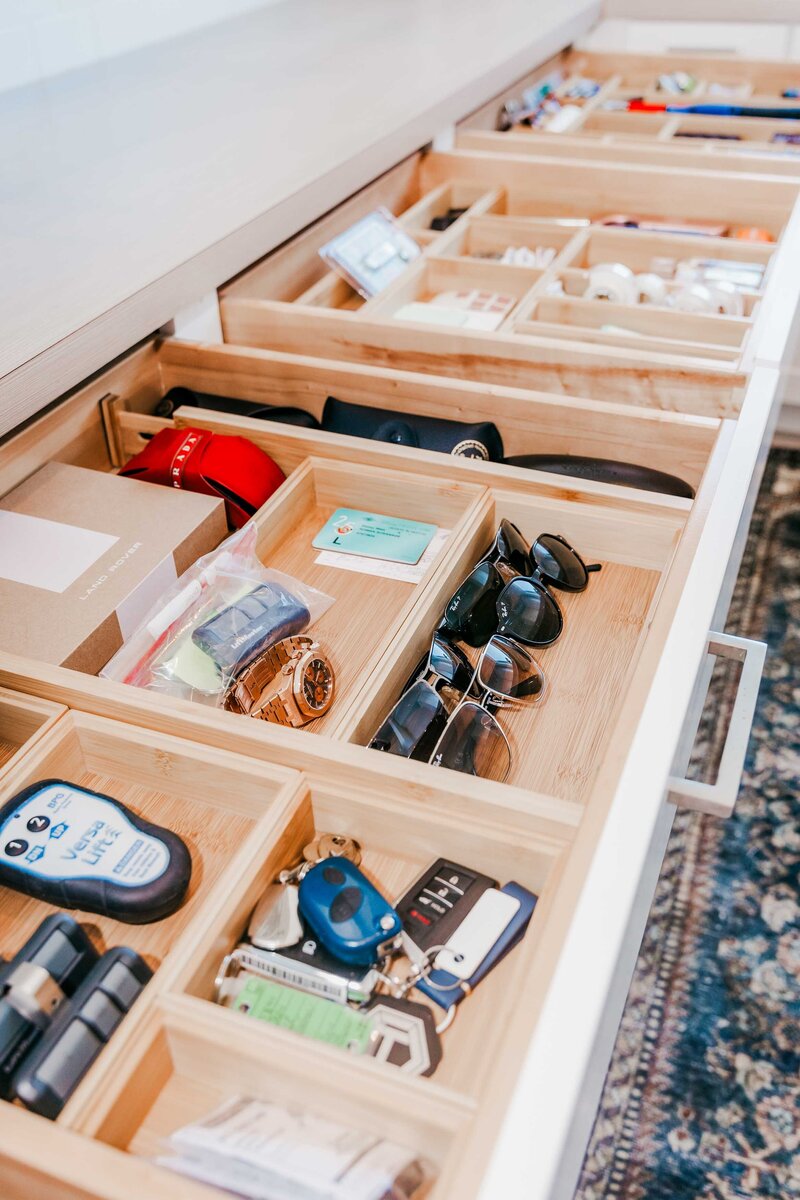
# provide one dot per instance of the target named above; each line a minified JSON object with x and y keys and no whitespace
{"x":587,"y":787}
{"x":232,"y":787}
{"x":603,"y":131}
{"x":519,"y":201}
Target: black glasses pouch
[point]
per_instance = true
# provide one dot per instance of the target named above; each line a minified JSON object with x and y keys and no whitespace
{"x":479,"y":440}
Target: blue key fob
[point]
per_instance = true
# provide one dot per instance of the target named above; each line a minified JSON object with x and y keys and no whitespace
{"x":349,"y":916}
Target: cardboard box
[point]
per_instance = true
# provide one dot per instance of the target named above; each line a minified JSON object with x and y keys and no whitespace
{"x":84,"y":556}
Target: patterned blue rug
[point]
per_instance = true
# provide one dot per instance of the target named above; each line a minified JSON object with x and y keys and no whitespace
{"x":702,"y":1098}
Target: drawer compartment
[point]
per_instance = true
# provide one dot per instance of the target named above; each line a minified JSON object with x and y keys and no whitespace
{"x":213,"y":800}
{"x":557,"y":746}
{"x":367,"y":608}
{"x":596,"y":425}
{"x":570,"y":317}
{"x":486,"y":238}
{"x":23,"y":720}
{"x":421,"y":285}
{"x":399,"y":839}
{"x":190,"y":1058}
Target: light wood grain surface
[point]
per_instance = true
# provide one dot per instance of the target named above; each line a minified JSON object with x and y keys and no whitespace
{"x":133,"y":187}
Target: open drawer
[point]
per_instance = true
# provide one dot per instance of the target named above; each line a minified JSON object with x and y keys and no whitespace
{"x":594,"y":799}
{"x":582,"y":818}
{"x":601,"y":93}
{"x":552,"y":323}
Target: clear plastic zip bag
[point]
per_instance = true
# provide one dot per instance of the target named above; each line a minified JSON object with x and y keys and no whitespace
{"x":224,"y":611}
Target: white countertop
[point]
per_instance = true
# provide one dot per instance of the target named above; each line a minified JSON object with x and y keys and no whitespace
{"x":131,"y":188}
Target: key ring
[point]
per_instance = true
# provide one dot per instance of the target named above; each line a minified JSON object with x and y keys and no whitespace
{"x":447,"y":1019}
{"x":419,"y":969}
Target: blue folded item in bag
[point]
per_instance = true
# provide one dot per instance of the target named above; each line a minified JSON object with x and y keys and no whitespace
{"x":234,"y":636}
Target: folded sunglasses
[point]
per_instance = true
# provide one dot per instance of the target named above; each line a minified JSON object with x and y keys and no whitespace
{"x":468,"y":737}
{"x":508,"y":591}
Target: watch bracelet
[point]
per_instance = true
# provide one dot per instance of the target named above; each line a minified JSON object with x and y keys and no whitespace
{"x":255,"y":677}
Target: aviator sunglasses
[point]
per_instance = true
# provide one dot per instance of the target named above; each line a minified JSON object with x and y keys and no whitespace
{"x":508,"y":592}
{"x":468,"y":737}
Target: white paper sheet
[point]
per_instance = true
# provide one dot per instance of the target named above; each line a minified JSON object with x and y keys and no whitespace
{"x":383,"y":567}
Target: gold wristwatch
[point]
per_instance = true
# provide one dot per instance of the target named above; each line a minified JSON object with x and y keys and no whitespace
{"x":291,"y":683}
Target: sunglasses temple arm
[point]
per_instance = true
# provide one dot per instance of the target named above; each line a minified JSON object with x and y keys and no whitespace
{"x":594,"y":567}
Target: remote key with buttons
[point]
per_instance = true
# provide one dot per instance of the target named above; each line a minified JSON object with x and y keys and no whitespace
{"x":76,"y":848}
{"x":348,"y":914}
{"x":434,"y":907}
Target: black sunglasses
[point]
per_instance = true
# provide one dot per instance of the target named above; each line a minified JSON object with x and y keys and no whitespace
{"x":508,"y":591}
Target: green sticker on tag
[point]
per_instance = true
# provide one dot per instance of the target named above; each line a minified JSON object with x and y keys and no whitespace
{"x":323,"y":1020}
{"x":371,"y":535}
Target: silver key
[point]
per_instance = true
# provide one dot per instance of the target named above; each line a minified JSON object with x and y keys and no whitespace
{"x":275,"y":923}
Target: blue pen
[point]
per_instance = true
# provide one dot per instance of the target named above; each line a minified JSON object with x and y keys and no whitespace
{"x":737,"y":110}
{"x":718,"y":110}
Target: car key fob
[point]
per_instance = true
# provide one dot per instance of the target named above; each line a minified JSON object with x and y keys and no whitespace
{"x":347,"y":913}
{"x":75,"y":848}
{"x":439,"y":901}
{"x":487,"y":938}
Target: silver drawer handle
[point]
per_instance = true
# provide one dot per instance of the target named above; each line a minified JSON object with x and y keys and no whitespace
{"x":719,"y":798}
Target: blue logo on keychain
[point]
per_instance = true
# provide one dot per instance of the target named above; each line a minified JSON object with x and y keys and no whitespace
{"x":349,"y":916}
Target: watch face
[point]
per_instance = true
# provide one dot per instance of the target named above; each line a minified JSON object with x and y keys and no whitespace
{"x":315,"y":686}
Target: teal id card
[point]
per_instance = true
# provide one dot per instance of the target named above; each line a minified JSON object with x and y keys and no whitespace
{"x":371,"y":535}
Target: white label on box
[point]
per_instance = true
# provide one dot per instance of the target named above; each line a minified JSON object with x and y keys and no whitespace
{"x":47,"y":554}
{"x":403,"y":572}
{"x":134,"y":608}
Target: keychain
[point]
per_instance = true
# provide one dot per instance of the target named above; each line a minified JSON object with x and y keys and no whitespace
{"x":325,"y":930}
{"x":275,"y":923}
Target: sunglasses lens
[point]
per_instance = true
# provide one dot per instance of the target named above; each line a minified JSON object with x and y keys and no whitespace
{"x":450,"y":663}
{"x":559,"y":564}
{"x":474,"y":743}
{"x":507,"y":669}
{"x":528,"y":614}
{"x":413,"y":726}
{"x":511,"y":545}
{"x":471,"y":614}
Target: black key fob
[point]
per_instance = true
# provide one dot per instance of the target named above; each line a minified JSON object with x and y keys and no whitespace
{"x":438,"y":902}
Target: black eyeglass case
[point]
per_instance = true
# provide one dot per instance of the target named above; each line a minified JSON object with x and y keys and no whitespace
{"x":479,"y":440}
{"x":178,"y":397}
{"x":604,"y":470}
